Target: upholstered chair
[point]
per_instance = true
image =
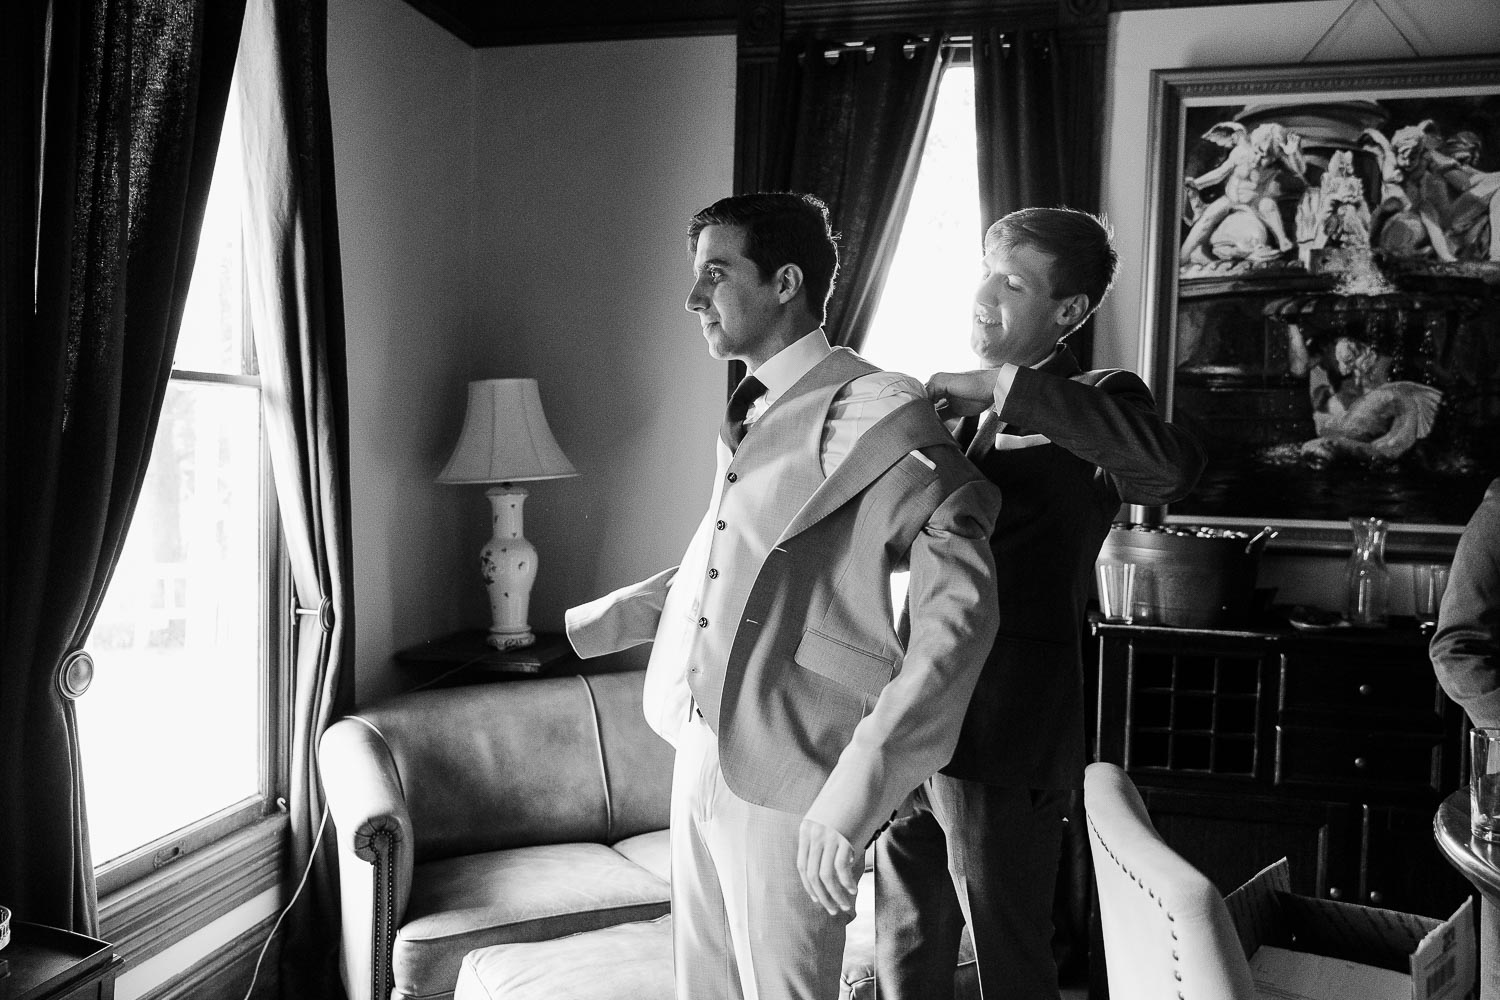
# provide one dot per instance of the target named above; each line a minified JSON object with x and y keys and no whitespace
{"x":1167,"y":932}
{"x":490,"y":814}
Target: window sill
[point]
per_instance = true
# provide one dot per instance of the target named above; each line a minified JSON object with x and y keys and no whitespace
{"x":149,"y":915}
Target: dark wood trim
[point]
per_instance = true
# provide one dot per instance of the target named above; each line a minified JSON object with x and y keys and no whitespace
{"x":225,"y":974}
{"x":484,"y":24}
{"x":149,"y":915}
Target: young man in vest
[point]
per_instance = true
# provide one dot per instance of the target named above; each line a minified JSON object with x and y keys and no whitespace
{"x":801,"y":719}
{"x":1066,"y":447}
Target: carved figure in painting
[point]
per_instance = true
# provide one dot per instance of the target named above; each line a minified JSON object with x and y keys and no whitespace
{"x":1254,"y":175}
{"x":1369,"y":416}
{"x":1346,"y":217}
{"x":1434,"y":202}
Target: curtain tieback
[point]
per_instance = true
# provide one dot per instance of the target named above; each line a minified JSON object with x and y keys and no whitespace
{"x":75,"y":674}
{"x":324,"y":611}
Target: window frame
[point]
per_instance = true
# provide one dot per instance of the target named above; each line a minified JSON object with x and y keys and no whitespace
{"x":164,"y":890}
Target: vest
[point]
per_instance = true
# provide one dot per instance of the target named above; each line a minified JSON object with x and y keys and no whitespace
{"x":776,"y":469}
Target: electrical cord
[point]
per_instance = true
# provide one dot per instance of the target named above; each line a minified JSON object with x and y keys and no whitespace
{"x":311,"y":857}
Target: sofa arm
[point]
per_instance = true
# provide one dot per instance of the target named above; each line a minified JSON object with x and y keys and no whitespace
{"x":373,"y":833}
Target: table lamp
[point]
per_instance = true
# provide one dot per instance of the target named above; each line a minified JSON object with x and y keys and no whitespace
{"x":506,"y":440}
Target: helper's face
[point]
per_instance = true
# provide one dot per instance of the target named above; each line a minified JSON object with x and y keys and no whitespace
{"x":736,"y":306}
{"x":1016,"y":319}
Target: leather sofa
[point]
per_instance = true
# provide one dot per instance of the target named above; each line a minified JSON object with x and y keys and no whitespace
{"x":500,"y":813}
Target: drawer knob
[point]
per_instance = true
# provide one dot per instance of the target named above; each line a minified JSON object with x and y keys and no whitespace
{"x":1376,"y":898}
{"x":1366,"y":690}
{"x":1360,"y":763}
{"x":1334,"y":892}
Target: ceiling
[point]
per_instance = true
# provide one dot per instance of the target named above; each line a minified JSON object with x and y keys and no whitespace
{"x":484,"y":23}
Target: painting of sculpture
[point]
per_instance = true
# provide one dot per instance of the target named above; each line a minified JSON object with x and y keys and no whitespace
{"x":1325,"y":287}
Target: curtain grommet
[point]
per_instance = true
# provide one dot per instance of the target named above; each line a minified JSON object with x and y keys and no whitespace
{"x":325,"y":614}
{"x":75,"y":674}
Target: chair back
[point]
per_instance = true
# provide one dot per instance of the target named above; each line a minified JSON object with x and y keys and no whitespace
{"x":1167,"y":932}
{"x":547,"y":761}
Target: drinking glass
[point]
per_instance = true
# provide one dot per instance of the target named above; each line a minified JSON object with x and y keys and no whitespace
{"x":1117,"y":591}
{"x":1484,"y":784}
{"x":1428,"y":581}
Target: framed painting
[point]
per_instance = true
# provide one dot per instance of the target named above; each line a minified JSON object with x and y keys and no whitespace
{"x":1322,"y":301}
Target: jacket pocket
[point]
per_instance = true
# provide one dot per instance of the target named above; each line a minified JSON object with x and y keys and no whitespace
{"x":854,"y":668}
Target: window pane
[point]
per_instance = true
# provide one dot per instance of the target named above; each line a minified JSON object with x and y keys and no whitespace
{"x":922,"y":323}
{"x":170,"y":727}
{"x":213,"y":330}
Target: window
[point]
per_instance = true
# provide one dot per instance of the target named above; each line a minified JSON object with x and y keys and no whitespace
{"x":178,"y":732}
{"x":922,"y":323}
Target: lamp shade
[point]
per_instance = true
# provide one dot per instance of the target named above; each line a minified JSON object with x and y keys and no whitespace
{"x":505,"y":437}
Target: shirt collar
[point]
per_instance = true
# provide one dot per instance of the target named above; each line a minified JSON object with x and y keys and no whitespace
{"x":782,"y":370}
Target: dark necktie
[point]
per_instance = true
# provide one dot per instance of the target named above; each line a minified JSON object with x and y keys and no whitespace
{"x":732,"y":431}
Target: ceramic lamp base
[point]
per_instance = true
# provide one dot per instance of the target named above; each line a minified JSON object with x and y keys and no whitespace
{"x":508,"y":562}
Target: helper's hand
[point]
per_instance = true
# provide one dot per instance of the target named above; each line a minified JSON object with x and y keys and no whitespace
{"x":962,"y":394}
{"x":829,"y":866}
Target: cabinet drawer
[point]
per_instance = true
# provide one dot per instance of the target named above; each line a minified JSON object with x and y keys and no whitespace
{"x":1357,"y":759}
{"x":1360,"y":687}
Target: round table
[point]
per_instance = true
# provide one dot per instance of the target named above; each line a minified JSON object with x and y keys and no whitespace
{"x":1479,"y":862}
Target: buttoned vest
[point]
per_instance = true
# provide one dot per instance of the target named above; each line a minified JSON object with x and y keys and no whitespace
{"x":776,"y":469}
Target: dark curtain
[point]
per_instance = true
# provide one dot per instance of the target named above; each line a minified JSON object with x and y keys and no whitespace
{"x":851,"y":130}
{"x":295,"y":288}
{"x":111,"y":125}
{"x":1039,"y":115}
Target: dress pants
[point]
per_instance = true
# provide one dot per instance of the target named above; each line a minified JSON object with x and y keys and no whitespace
{"x":743,"y":928}
{"x":976,"y":854}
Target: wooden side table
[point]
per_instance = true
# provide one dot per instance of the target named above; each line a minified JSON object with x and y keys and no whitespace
{"x":45,"y":963}
{"x":465,"y":658}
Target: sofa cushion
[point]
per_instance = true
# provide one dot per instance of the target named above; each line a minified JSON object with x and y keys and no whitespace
{"x":520,"y":894}
{"x":652,"y":851}
{"x":628,"y":960}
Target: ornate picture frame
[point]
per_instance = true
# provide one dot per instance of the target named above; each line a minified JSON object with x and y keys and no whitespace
{"x":1322,"y":293}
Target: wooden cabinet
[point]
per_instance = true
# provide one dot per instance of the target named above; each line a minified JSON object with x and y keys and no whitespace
{"x":45,"y":963}
{"x":1331,"y":749}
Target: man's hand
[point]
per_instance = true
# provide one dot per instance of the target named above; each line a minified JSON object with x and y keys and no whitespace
{"x":962,"y":394}
{"x":829,"y":866}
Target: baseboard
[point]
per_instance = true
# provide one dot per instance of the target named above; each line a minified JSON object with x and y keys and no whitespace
{"x":225,"y":974}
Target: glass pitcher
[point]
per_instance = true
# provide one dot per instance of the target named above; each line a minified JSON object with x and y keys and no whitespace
{"x":1368,"y":580}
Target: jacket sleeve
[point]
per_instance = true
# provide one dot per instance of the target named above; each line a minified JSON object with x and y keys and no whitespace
{"x":1111,"y":423}
{"x":913,"y":728}
{"x":1465,"y":648}
{"x":625,"y":618}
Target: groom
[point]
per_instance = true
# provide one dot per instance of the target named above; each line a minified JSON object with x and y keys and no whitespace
{"x":801,"y":718}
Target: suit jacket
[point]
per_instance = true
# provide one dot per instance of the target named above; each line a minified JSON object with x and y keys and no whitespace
{"x":824,"y":710}
{"x":1080,"y":444}
{"x":1465,"y":647}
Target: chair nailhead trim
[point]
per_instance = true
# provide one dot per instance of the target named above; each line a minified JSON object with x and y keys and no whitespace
{"x":1161,"y":903}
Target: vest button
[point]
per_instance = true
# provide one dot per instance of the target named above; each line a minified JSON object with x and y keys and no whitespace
{"x":703,"y":623}
{"x":713,"y":574}
{"x":733,"y":477}
{"x":720,"y":525}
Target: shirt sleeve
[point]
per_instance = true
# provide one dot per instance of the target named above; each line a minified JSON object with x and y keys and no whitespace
{"x":859,"y":406}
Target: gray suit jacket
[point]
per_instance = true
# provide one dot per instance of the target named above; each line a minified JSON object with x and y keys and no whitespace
{"x":825,"y":711}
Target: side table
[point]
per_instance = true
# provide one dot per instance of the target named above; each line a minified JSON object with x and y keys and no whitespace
{"x":45,"y":963}
{"x":465,"y":658}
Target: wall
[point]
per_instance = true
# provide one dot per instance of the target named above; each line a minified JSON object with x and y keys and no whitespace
{"x":590,"y":160}
{"x":1259,"y":34}
{"x":517,"y":212}
{"x":401,"y":91}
